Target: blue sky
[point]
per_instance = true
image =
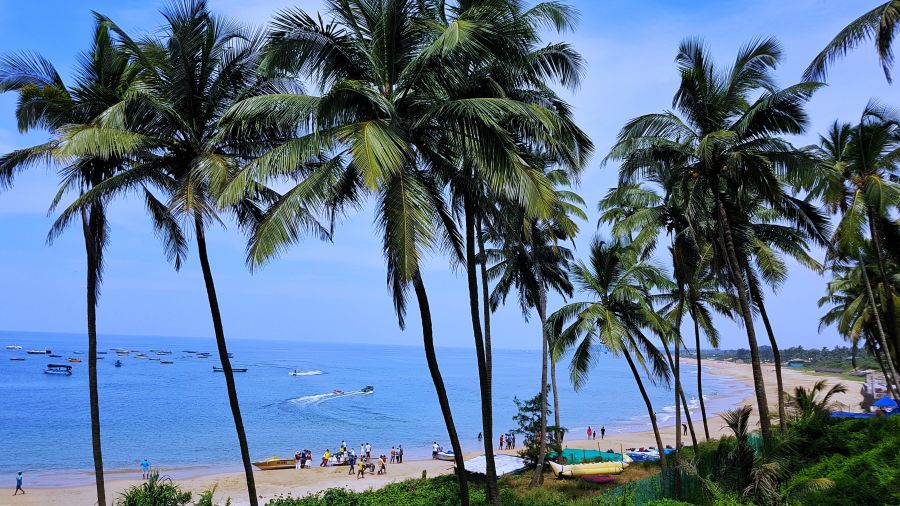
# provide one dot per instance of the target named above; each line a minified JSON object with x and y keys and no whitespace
{"x":336,"y":292}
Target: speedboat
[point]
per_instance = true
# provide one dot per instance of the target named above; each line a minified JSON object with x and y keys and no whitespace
{"x":337,"y":392}
{"x":295,"y":372}
{"x":367,"y":389}
{"x":445,"y":455}
{"x":13,"y":347}
{"x":58,"y":369}
{"x":275,"y":462}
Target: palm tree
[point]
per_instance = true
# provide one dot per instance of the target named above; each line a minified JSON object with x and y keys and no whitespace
{"x":858,"y":170}
{"x":879,"y":24}
{"x":725,"y":142}
{"x":391,"y":121}
{"x":102,"y":76}
{"x":806,"y":403}
{"x":616,"y":316}
{"x":167,"y":124}
{"x":530,"y":260}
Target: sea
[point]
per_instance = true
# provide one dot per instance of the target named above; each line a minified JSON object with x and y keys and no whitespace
{"x":177,"y":415}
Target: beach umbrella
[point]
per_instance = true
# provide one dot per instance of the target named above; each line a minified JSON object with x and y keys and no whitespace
{"x":885,"y":402}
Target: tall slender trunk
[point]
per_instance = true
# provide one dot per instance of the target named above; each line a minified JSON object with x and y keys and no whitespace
{"x":223,"y":358}
{"x":894,"y":328}
{"x":736,"y":271}
{"x":637,"y":378}
{"x":556,"y":422}
{"x":676,"y":371}
{"x":92,"y":244}
{"x":883,"y":343}
{"x":682,"y":399}
{"x":486,"y":310}
{"x":776,"y":353}
{"x":700,"y":377}
{"x":538,"y":475}
{"x":884,"y":369}
{"x":492,"y":491}
{"x":439,"y":388}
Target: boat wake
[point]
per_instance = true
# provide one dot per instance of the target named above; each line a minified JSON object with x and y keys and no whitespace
{"x":311,"y":400}
{"x":305,"y":373}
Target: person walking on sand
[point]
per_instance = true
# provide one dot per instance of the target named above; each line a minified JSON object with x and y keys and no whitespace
{"x":399,"y":454}
{"x":19,"y":484}
{"x":352,"y":462}
{"x":501,"y":441}
{"x":325,"y":457}
{"x":589,"y":432}
{"x":361,"y":469}
{"x":683,"y":429}
{"x":602,"y":432}
{"x":145,"y":469}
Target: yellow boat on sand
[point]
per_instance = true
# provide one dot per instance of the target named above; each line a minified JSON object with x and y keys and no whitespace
{"x":572,"y":470}
{"x":275,"y":462}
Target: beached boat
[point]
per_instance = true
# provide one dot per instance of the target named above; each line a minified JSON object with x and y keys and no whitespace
{"x":569,"y":471}
{"x":74,"y":360}
{"x":233,"y":369}
{"x":275,"y":463}
{"x":13,"y":347}
{"x":445,"y":455}
{"x":38,"y":352}
{"x":58,"y":369}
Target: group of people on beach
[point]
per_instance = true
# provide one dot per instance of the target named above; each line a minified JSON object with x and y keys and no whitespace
{"x":357,"y":462}
{"x":592,"y":433}
{"x":507,"y":441}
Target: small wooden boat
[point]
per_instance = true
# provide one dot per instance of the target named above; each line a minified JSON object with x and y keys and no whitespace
{"x":74,"y":360}
{"x":58,"y":369}
{"x":572,"y":470}
{"x":600,"y":479}
{"x":233,"y":369}
{"x":155,"y":358}
{"x":13,"y":347}
{"x":166,"y":362}
{"x":275,"y":463}
{"x":17,"y":359}
{"x":77,"y":353}
{"x":140,"y":355}
{"x":56,"y":356}
{"x":38,"y":352}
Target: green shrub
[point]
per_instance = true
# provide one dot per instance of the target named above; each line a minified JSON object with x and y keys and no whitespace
{"x":668,"y":502}
{"x":155,"y":491}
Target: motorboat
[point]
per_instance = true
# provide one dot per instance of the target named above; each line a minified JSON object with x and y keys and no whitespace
{"x":275,"y":462}
{"x":367,"y":389}
{"x":58,"y":369}
{"x":295,"y":372}
{"x":39,"y":352}
{"x":55,"y":356}
{"x":13,"y":347}
{"x":445,"y":455}
{"x":233,"y":369}
{"x":338,"y":392}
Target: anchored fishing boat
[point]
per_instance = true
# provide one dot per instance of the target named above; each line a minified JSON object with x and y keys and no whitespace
{"x":58,"y":369}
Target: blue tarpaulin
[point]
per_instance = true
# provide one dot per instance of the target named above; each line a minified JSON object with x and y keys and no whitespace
{"x":885,"y":402}
{"x":847,"y":414}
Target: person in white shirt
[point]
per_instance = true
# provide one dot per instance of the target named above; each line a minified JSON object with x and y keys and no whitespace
{"x":362,"y":451}
{"x":434,"y":450}
{"x":368,"y":452}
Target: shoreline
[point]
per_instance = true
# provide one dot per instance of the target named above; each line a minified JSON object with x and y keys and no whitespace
{"x":229,"y":482}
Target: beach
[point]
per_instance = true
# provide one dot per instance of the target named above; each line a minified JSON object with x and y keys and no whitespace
{"x":271,"y":484}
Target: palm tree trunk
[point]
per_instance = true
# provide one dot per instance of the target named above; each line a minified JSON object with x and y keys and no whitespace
{"x":700,"y":378}
{"x":438,"y":380}
{"x":93,"y":244}
{"x":776,"y":353}
{"x":884,"y":369}
{"x":493,"y":494}
{"x":486,"y":311}
{"x":736,"y":271}
{"x":556,"y":423}
{"x":538,"y":475}
{"x":894,"y":328}
{"x":680,"y":398}
{"x":637,"y":378}
{"x":883,"y":343}
{"x":223,"y":358}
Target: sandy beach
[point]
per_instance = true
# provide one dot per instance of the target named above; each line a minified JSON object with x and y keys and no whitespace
{"x":271,"y":484}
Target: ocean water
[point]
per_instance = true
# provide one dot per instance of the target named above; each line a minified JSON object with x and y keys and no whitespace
{"x":178,"y":415}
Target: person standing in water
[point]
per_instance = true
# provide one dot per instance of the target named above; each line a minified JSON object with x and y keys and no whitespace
{"x":19,"y":488}
{"x":480,"y":437}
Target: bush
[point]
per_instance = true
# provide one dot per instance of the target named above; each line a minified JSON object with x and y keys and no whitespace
{"x":439,"y":491}
{"x":155,"y":491}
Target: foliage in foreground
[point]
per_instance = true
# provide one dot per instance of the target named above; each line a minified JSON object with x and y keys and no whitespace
{"x":162,"y":491}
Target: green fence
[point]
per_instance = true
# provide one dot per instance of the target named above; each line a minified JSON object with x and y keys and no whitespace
{"x":659,"y":486}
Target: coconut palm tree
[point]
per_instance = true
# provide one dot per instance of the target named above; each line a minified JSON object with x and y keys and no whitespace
{"x":167,"y":125}
{"x":391,"y":121}
{"x":879,"y":24}
{"x":725,"y":139}
{"x":530,"y":260}
{"x":857,"y":178}
{"x":103,"y":75}
{"x":617,"y":316}
{"x":806,"y":403}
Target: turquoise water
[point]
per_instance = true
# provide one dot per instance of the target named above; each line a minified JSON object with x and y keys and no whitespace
{"x":178,"y":416}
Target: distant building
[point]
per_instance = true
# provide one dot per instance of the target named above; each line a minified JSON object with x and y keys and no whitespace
{"x":796,"y":362}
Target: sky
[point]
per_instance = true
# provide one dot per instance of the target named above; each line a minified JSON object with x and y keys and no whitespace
{"x":336,"y":292}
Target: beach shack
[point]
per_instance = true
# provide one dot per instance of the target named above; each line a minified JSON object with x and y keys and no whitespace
{"x":796,"y":363}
